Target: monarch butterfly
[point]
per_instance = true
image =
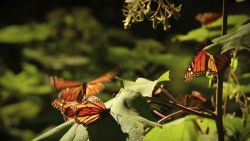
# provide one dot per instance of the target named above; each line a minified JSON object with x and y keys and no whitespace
{"x":76,"y":91}
{"x":65,"y":108}
{"x":195,"y":99}
{"x":89,"y":111}
{"x":208,"y":17}
{"x":86,"y":112}
{"x":203,"y":62}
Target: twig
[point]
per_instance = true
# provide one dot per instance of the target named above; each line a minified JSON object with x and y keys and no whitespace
{"x":158,"y":113}
{"x":169,"y":95}
{"x":170,"y":116}
{"x":184,"y":108}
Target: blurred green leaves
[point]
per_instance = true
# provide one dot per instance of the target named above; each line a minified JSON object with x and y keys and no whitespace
{"x":61,"y":62}
{"x":26,"y":82}
{"x":24,"y":33}
{"x":211,"y":30}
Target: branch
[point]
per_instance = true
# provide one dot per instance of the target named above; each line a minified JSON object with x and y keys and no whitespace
{"x":219,"y":103}
{"x":170,"y":116}
{"x":184,"y":108}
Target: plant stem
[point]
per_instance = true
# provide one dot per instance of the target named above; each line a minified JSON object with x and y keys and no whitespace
{"x":182,"y":107}
{"x":170,"y":116}
{"x":219,"y":110}
{"x":219,"y":103}
{"x":224,"y":18}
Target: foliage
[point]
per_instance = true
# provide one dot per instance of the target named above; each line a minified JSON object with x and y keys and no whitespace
{"x":211,"y":30}
{"x":236,"y":40}
{"x":128,"y":120}
{"x":139,"y":10}
{"x":192,"y":128}
{"x":24,"y":33}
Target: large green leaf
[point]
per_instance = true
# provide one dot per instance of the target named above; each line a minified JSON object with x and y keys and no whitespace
{"x":193,"y":128}
{"x":238,"y":39}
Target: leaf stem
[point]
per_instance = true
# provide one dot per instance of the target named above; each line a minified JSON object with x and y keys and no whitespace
{"x":182,"y":107}
{"x":170,"y":116}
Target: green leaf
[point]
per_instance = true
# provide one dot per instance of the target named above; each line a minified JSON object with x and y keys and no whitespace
{"x":196,"y":128}
{"x":24,"y":33}
{"x":141,"y":85}
{"x":199,"y":35}
{"x":55,"y":133}
{"x":234,"y":63}
{"x":238,"y":39}
{"x":233,"y":21}
{"x":211,"y":30}
{"x":164,"y":77}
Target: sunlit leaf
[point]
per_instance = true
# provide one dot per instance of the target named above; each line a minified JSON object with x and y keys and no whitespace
{"x":141,"y":85}
{"x":164,"y":77}
{"x":192,"y":128}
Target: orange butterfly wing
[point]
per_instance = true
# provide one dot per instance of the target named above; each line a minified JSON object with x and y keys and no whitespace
{"x":107,"y":77}
{"x":208,"y":17}
{"x":197,"y":67}
{"x":65,"y":108}
{"x":193,"y":100}
{"x":75,"y":91}
{"x":203,"y":63}
{"x":71,"y":90}
{"x":216,"y":63}
{"x":59,"y":83}
{"x":89,"y":111}
{"x":72,"y":94}
{"x":95,"y":86}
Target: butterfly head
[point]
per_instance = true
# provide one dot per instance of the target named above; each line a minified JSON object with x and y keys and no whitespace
{"x":105,"y":112}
